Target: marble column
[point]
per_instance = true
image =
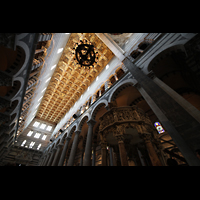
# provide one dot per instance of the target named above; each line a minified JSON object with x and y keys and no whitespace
{"x":122,"y":150}
{"x":193,"y":111}
{"x":46,"y":160}
{"x":94,"y":154}
{"x":51,"y":157}
{"x":180,"y":125}
{"x":55,"y":161}
{"x":141,"y":157}
{"x":73,"y":150}
{"x":42,"y":161}
{"x":62,"y":157}
{"x":81,"y":161}
{"x":103,"y":153}
{"x":111,"y":156}
{"x":88,"y":147}
{"x":151,"y":151}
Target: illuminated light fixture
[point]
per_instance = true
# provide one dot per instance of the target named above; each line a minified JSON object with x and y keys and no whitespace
{"x":37,"y":105}
{"x":44,"y":89}
{"x":34,"y":113}
{"x":59,"y":50}
{"x":53,"y":67}
{"x":85,"y":54}
{"x":40,"y":98}
{"x":47,"y":79}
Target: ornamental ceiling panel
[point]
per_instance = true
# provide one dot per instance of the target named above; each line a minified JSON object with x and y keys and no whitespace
{"x":70,"y":80}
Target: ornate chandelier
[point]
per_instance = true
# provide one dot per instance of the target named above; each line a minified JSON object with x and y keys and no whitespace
{"x":86,"y":54}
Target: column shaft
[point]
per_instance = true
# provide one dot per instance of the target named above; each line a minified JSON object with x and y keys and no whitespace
{"x":55,"y":160}
{"x":94,"y":155}
{"x":88,"y":147}
{"x":46,"y":160}
{"x":103,"y":152}
{"x":73,"y":150}
{"x":51,"y":157}
{"x":62,"y":157}
{"x":181,"y":126}
{"x":111,"y":156}
{"x":151,"y":151}
{"x":122,"y":152}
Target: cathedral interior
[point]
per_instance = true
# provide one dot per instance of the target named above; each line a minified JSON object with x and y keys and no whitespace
{"x":99,"y":99}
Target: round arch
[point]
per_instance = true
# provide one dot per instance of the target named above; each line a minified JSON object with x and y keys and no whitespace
{"x":24,"y":46}
{"x":82,"y":120}
{"x":58,"y":142}
{"x":178,"y":45}
{"x":97,"y":107}
{"x":74,"y":128}
{"x":63,"y":137}
{"x":121,"y":86}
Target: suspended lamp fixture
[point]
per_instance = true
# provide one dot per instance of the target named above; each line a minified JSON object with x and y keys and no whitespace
{"x":85,"y":54}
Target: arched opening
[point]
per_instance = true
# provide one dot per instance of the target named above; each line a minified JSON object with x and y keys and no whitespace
{"x":10,"y":91}
{"x":143,"y":45}
{"x":119,"y":73}
{"x":124,"y":94}
{"x":112,"y":80}
{"x":102,"y":89}
{"x":97,"y":94}
{"x":11,"y":61}
{"x":135,"y":54}
{"x":171,"y":67}
{"x":12,"y":107}
{"x":7,"y":57}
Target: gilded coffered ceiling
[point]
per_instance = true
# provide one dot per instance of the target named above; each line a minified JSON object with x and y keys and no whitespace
{"x":69,"y":80}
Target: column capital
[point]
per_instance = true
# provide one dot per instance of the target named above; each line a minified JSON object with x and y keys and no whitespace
{"x":91,"y":122}
{"x":151,"y":75}
{"x":120,"y":138}
{"x":77,"y":132}
{"x":146,"y":137}
{"x":54,"y":149}
{"x":67,"y":138}
{"x":60,"y":144}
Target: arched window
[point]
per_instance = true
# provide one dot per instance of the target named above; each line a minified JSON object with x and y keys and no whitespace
{"x":159,"y":127}
{"x":112,"y":80}
{"x":135,"y":54}
{"x":102,"y":89}
{"x":119,"y":73}
{"x":143,"y":45}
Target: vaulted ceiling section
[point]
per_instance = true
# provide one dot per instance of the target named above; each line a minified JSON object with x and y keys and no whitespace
{"x":69,"y":80}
